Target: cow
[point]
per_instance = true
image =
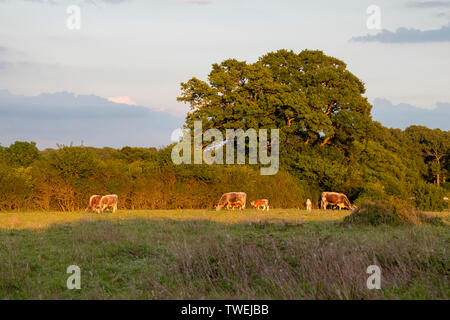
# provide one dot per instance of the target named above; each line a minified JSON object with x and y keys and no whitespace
{"x":109,"y":201}
{"x":94,"y":200}
{"x":335,"y":199}
{"x":232,"y":205}
{"x":264,"y":203}
{"x":232,"y":199}
{"x":445,"y":198}
{"x":308,"y":205}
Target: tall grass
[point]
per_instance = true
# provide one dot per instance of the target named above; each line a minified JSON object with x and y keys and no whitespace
{"x":145,"y":258}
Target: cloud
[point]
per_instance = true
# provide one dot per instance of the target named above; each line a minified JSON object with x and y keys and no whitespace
{"x":64,"y":117}
{"x":445,"y":15}
{"x":428,"y":4}
{"x":405,"y":35}
{"x":404,"y":115}
{"x":122,"y":100}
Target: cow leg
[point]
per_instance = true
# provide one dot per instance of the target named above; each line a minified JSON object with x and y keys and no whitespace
{"x":115,"y":208}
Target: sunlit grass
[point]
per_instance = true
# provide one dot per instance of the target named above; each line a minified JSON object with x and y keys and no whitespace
{"x":39,"y":219}
{"x":204,"y":254}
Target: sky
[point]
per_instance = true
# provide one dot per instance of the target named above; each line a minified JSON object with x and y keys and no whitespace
{"x":138,"y":52}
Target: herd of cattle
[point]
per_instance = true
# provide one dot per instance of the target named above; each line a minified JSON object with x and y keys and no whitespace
{"x":99,"y":204}
{"x":231,"y":200}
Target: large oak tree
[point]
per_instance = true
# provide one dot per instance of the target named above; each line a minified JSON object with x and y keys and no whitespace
{"x":311,"y":97}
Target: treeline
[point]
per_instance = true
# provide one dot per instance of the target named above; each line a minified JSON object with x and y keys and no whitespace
{"x":64,"y":178}
{"x":392,"y":163}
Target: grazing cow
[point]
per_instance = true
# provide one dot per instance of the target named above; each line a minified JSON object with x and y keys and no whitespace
{"x":94,"y":200}
{"x":335,"y":199}
{"x":232,"y":205}
{"x":109,"y":201}
{"x":232,"y":199}
{"x":264,"y":203}
{"x":308,"y":205}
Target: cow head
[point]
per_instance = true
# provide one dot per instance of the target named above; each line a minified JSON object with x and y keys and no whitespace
{"x":98,"y":209}
{"x":252,"y":203}
{"x":218,"y":207}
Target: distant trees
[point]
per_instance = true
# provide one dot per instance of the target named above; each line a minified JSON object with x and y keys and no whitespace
{"x":64,"y":178}
{"x":20,"y":154}
{"x":434,"y":146}
{"x":144,"y":178}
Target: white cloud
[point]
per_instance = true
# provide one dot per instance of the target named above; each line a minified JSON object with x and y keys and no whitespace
{"x":122,"y":100}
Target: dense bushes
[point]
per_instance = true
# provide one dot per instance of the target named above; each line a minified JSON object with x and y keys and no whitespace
{"x":390,"y":212}
{"x":145,"y":178}
{"x":64,"y":179}
{"x":430,"y":197}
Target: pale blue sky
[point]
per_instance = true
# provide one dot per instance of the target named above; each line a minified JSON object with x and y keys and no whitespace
{"x":144,"y":49}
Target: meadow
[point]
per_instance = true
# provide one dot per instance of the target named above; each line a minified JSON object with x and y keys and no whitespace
{"x":204,"y":254}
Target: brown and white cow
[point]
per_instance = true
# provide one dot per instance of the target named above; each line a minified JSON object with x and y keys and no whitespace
{"x":264,"y":203}
{"x":232,"y":205}
{"x":232,"y":199}
{"x":335,"y":199}
{"x":94,"y":200}
{"x":308,"y":205}
{"x":108,"y":201}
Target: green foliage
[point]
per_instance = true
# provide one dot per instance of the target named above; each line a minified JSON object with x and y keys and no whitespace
{"x":312,"y":98}
{"x":20,"y":154}
{"x":430,"y":197}
{"x":15,"y":188}
{"x":371,"y":191}
{"x":434,"y":146}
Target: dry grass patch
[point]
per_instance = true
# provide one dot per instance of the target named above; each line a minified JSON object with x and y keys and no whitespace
{"x":391,"y":212}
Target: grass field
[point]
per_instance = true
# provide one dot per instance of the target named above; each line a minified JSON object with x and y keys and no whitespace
{"x":204,"y":254}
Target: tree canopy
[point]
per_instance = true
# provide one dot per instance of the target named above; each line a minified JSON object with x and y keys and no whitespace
{"x":312,"y":98}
